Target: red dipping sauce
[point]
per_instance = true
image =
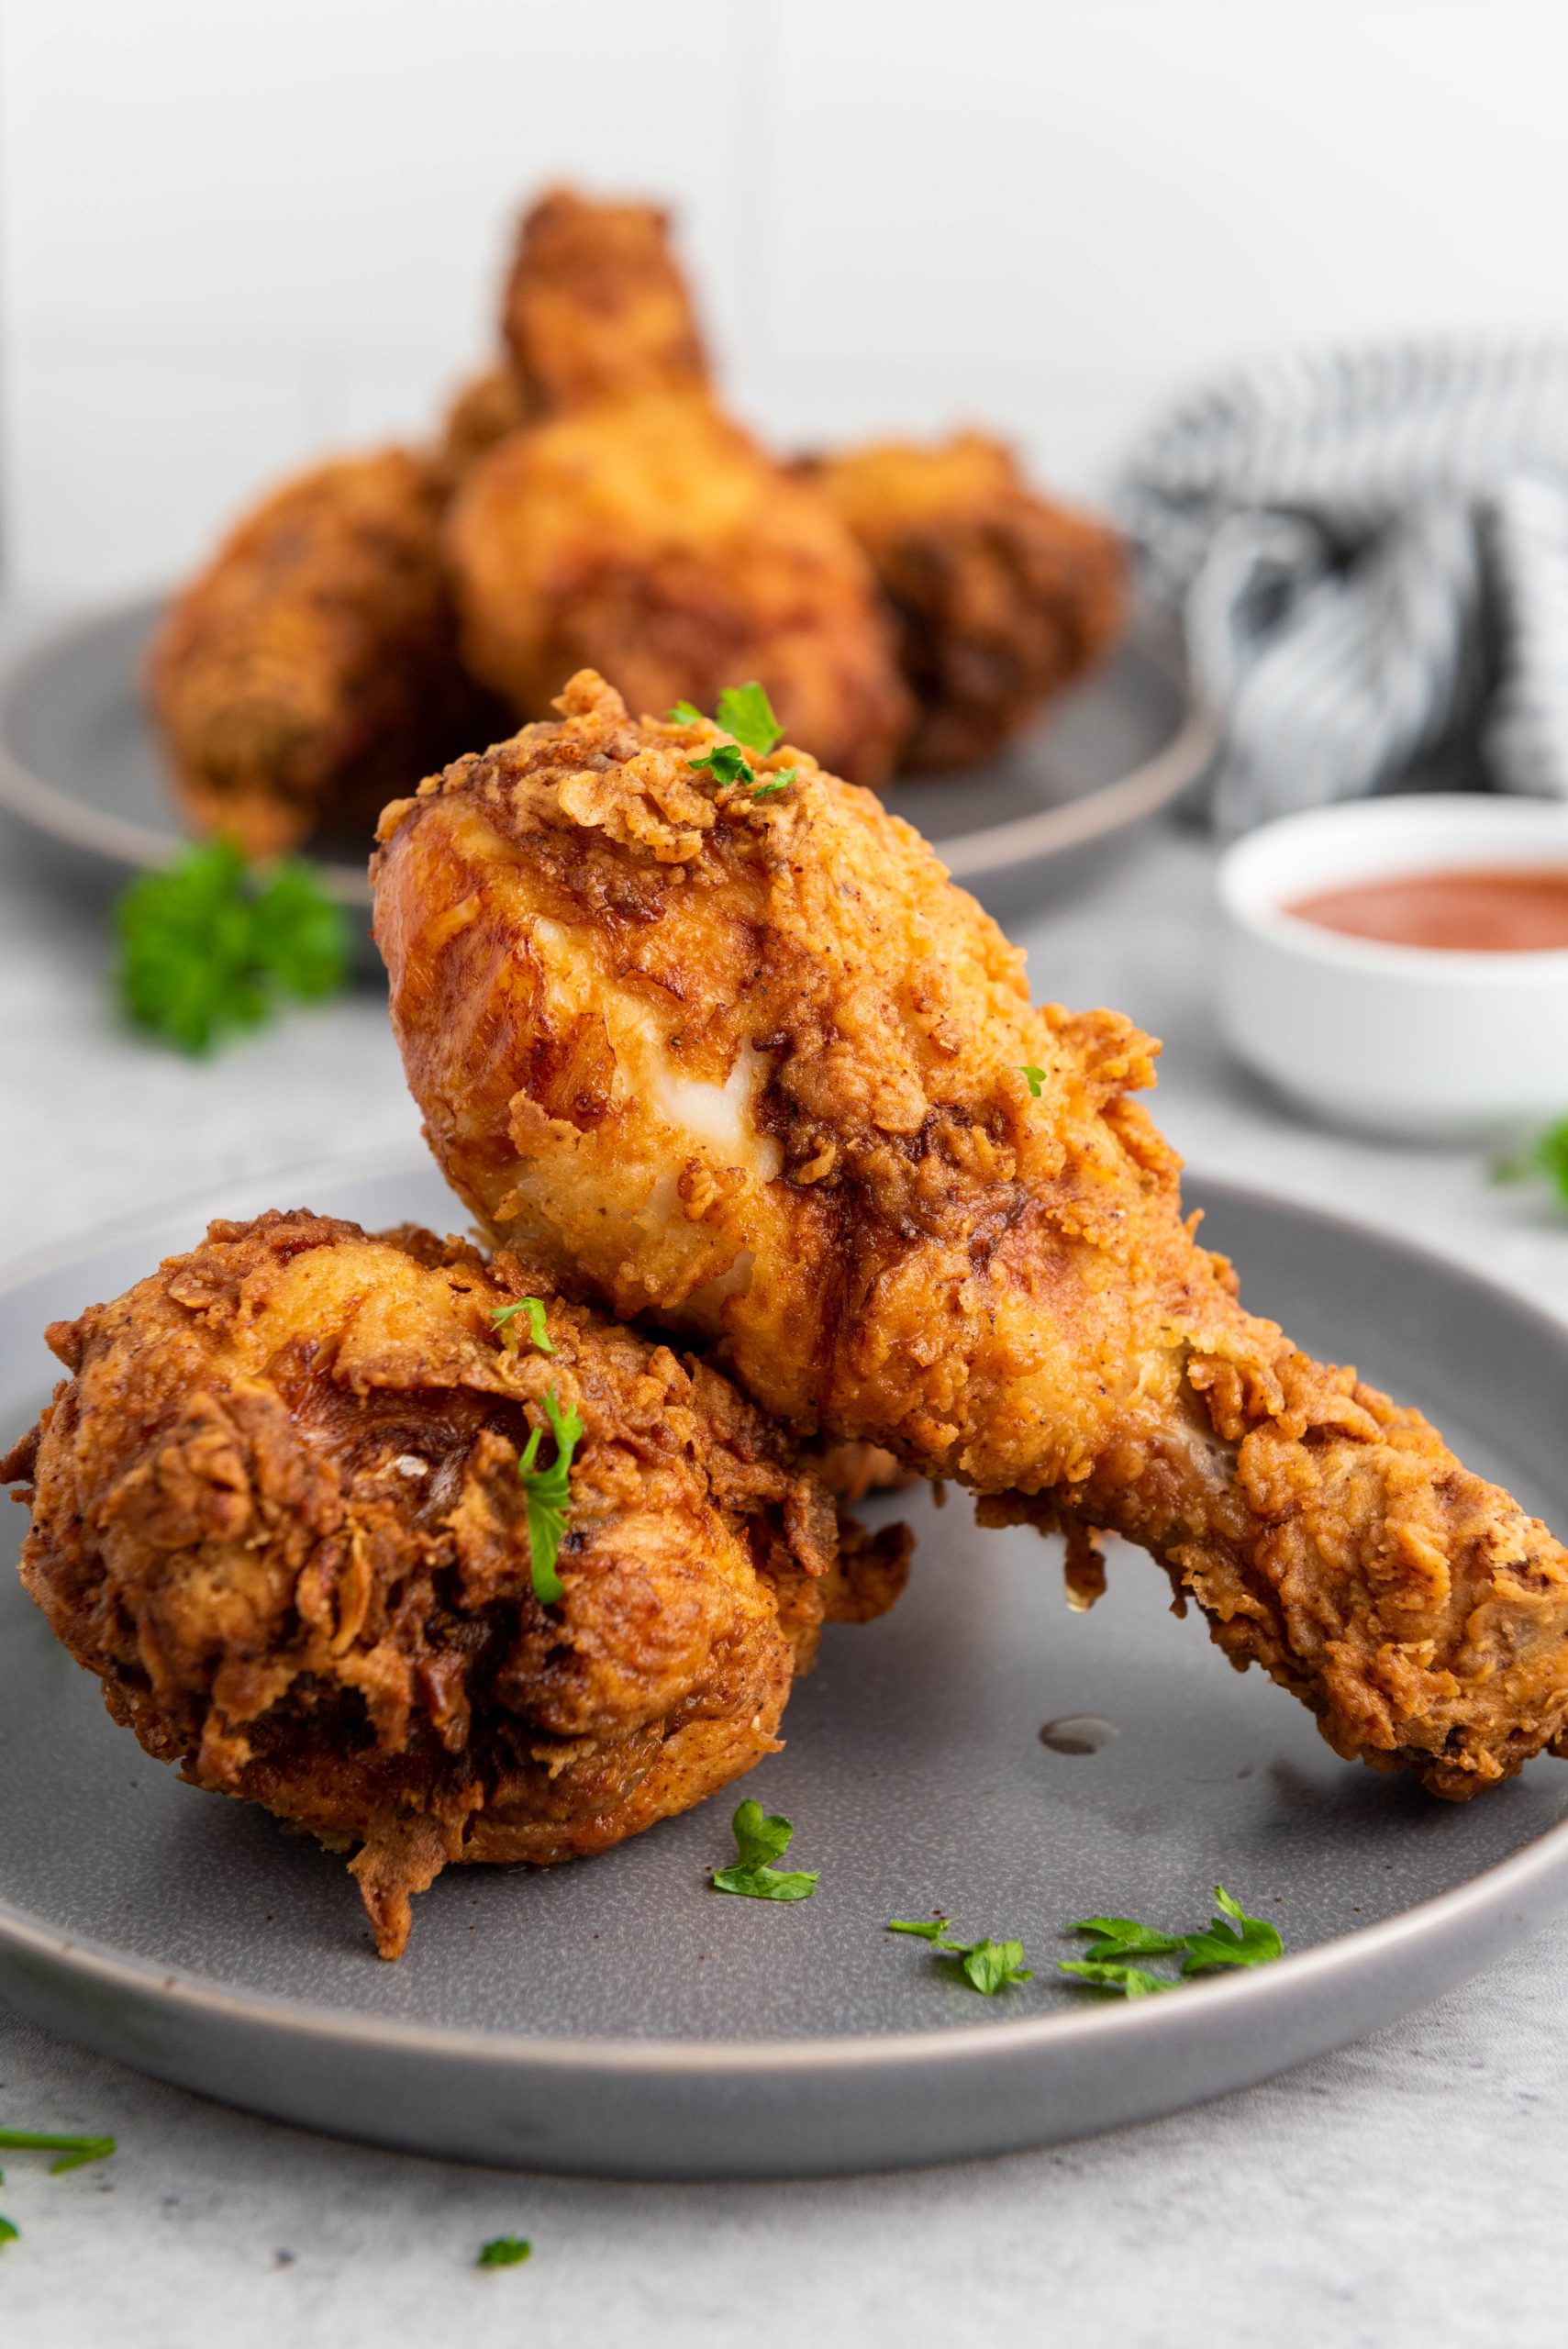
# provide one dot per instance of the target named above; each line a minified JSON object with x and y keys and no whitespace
{"x":1484,"y":909}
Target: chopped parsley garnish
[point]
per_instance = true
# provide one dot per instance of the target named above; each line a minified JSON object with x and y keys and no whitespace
{"x":504,"y":2251}
{"x":758,"y":1842}
{"x":1546,"y":1158}
{"x":207,"y":947}
{"x":8,"y":2233}
{"x":987,"y":1965}
{"x":726,"y":763}
{"x":1230,"y":1939}
{"x":504,"y":1316}
{"x":548,"y":1495}
{"x":745,"y":712}
{"x":1036,"y":1078}
{"x":73,"y":2151}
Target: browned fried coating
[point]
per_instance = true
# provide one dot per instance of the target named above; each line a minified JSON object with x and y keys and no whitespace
{"x":1000,"y":597}
{"x":754,"y":1067}
{"x":482,"y":412}
{"x":595,"y":307}
{"x":276,"y":1509}
{"x":311,"y":669}
{"x":635,"y":529}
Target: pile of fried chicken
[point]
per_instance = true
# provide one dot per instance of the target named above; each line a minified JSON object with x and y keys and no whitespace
{"x":590,"y":504}
{"x":717,"y":1058}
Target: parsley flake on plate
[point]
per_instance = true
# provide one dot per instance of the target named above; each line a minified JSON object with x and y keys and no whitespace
{"x":503,"y":1318}
{"x":504,"y":2250}
{"x":73,"y":2151}
{"x":1230,"y":1939}
{"x":548,"y":1495}
{"x":208,"y":946}
{"x":8,"y":2233}
{"x":758,"y":1842}
{"x":987,"y":1965}
{"x":1546,"y":1157}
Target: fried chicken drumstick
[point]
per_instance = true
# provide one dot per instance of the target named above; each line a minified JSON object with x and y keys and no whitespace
{"x":751,"y":1065}
{"x":277,"y":1510}
{"x":311,"y":669}
{"x":1000,"y":597}
{"x":635,"y":529}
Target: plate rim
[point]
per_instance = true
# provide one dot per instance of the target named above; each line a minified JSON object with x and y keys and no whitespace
{"x":977,"y":855}
{"x":1535,"y":1867}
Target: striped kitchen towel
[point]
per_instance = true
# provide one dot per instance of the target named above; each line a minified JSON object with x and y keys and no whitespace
{"x":1369,"y":552}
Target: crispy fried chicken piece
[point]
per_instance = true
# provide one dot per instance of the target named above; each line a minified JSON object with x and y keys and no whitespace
{"x":312,"y":668}
{"x":753,"y":1067}
{"x":276,"y":1509}
{"x":482,"y":413}
{"x":1000,"y":597}
{"x":635,"y":529}
{"x":595,"y":307}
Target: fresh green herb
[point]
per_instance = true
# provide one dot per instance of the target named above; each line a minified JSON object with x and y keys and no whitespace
{"x":1546,"y":1157}
{"x":987,"y":1965}
{"x":758,"y":1842}
{"x":745,"y":712}
{"x":1230,"y":1939}
{"x":686,"y":713}
{"x":538,"y":1336}
{"x":780,"y":782}
{"x":207,"y":947}
{"x":1036,"y":1079}
{"x":726,"y":763}
{"x":504,"y":2251}
{"x":8,"y":2233}
{"x":73,"y":2151}
{"x":549,"y":1495}
{"x":1131,"y":1981}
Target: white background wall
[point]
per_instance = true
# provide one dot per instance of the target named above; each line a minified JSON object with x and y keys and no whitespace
{"x":235,"y":232}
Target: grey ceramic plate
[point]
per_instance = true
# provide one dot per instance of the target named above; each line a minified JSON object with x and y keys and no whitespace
{"x":617,"y":2016}
{"x":78,"y":760}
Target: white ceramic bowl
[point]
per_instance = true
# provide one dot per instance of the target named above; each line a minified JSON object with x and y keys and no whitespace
{"x":1411,"y":1041}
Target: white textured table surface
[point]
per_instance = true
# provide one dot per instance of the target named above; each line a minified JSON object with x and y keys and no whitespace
{"x":1405,"y":2192}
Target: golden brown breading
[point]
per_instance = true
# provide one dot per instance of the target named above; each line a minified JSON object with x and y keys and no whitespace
{"x":276,"y":1509}
{"x":753,"y":1067}
{"x":595,"y":309}
{"x":656,"y":542}
{"x":311,"y":669}
{"x":482,"y":412}
{"x":1000,"y":597}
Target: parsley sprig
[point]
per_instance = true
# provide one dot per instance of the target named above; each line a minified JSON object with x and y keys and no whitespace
{"x":503,"y":1318}
{"x":745,"y":712}
{"x":504,"y":2250}
{"x":987,"y":1965}
{"x":1545,"y":1158}
{"x":758,"y":1842}
{"x":548,"y":1495}
{"x":1034,"y":1077}
{"x":1229,"y":1940}
{"x":71,"y":2151}
{"x":208,"y":946}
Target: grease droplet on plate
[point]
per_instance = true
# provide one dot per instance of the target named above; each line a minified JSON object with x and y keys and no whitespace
{"x":1078,"y":1733}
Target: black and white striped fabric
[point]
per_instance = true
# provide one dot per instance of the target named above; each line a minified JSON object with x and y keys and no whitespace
{"x":1369,"y":552}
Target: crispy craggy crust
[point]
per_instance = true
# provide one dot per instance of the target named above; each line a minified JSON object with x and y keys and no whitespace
{"x":754,"y":1067}
{"x":276,"y":1509}
{"x":656,"y":542}
{"x":311,"y":668}
{"x":1000,"y":597}
{"x":596,"y":308}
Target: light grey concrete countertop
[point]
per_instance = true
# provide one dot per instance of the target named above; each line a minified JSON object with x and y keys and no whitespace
{"x":1405,"y":2192}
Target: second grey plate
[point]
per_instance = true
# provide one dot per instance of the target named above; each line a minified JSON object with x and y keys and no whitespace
{"x":79,"y":763}
{"x":617,"y":2016}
